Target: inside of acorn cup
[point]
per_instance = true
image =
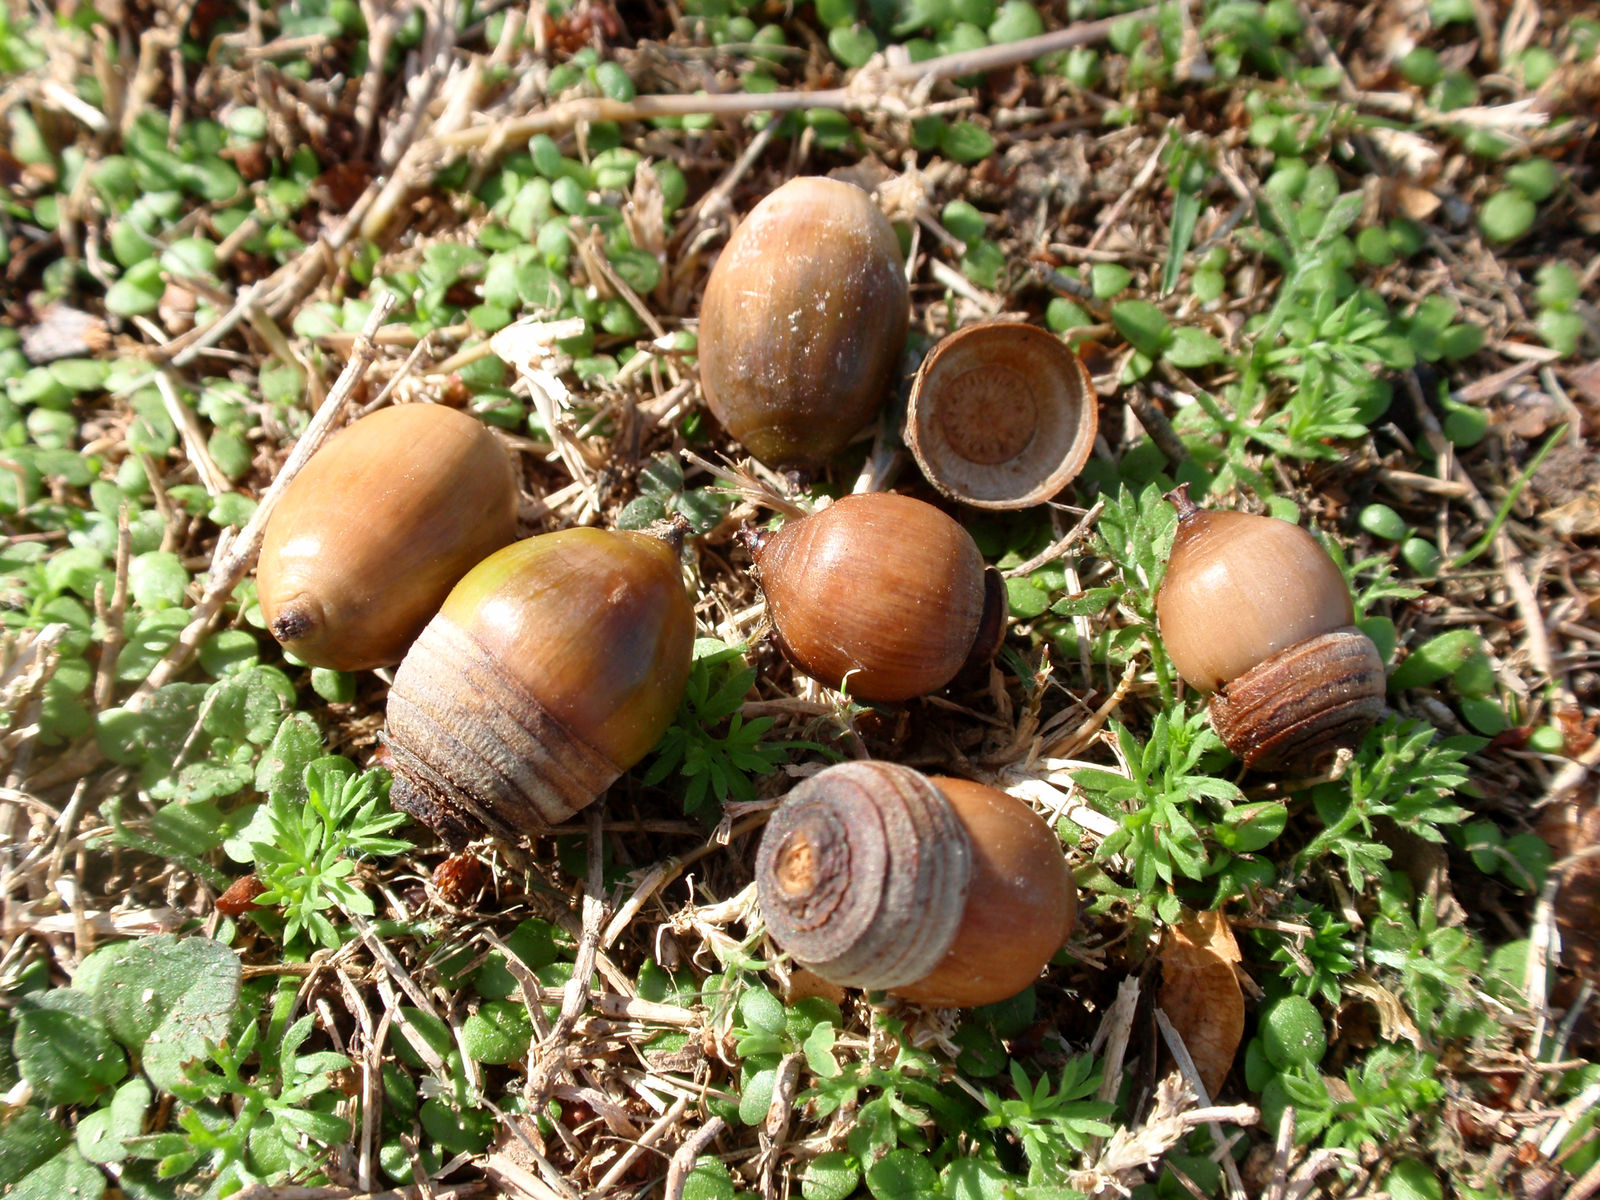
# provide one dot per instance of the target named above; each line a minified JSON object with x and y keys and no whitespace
{"x":1001,"y":415}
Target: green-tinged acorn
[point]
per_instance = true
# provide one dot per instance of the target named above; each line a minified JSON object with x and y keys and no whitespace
{"x":553,"y":666}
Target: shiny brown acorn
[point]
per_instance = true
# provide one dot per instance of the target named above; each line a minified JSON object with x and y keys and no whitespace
{"x":553,"y":666}
{"x":880,"y":595}
{"x":803,"y":321}
{"x":1255,"y":613}
{"x":939,"y":890}
{"x":369,"y":538}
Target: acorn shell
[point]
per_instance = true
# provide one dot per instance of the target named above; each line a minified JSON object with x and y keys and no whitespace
{"x":941,"y":891}
{"x":366,"y":542}
{"x":1240,"y":588}
{"x":803,"y":322}
{"x":1021,"y":906}
{"x":1002,"y":415}
{"x":553,"y":667}
{"x":880,"y":595}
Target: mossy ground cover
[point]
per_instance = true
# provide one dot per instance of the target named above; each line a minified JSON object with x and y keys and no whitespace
{"x":1332,"y":263}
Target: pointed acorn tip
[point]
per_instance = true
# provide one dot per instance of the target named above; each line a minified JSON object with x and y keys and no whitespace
{"x":1178,"y":497}
{"x":295,"y":622}
{"x":671,"y":530}
{"x":754,"y":540}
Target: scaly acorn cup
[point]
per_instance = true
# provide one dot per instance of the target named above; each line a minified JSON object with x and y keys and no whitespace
{"x":369,"y":538}
{"x":803,"y":321}
{"x":1254,"y":612}
{"x":941,"y":891}
{"x":881,"y":595}
{"x":554,"y":666}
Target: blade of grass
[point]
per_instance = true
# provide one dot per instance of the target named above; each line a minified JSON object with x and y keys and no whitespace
{"x":1504,"y":511}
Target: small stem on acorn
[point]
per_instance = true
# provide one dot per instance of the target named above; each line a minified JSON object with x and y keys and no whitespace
{"x":1178,"y":497}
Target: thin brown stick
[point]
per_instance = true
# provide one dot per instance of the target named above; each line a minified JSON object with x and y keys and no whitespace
{"x":647,"y":1139}
{"x":865,"y":93}
{"x":684,"y":1158}
{"x":1061,"y":545}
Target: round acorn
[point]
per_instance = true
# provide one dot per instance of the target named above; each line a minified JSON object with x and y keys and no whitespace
{"x":1254,"y":612}
{"x":553,"y":666}
{"x":880,"y":595}
{"x":369,"y":538}
{"x":803,"y":322}
{"x":937,"y":890}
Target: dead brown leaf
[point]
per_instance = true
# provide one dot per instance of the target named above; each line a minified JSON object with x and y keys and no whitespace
{"x":1396,"y":1024}
{"x":1573,"y":828}
{"x":1585,"y":382}
{"x":1200,"y":994}
{"x":1577,"y":517}
{"x":1415,"y":202}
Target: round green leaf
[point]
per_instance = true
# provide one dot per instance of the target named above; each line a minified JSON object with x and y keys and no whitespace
{"x":708,"y":1181}
{"x":1506,"y":216}
{"x":1107,"y":279}
{"x":336,"y":687}
{"x":1192,"y":347}
{"x":1547,"y":739}
{"x":191,"y":256}
{"x":1292,"y":1033}
{"x":1413,"y":1179}
{"x":1144,"y":326}
{"x":229,"y":650}
{"x":499,"y":1032}
{"x":1561,"y":331}
{"x":1061,"y":315}
{"x":1017,"y":19}
{"x":963,"y":221}
{"x":1434,"y":659}
{"x":1537,"y":179}
{"x":756,"y":1097}
{"x":1420,"y":66}
{"x":901,"y":1175}
{"x":138,"y":292}
{"x":157,"y":580}
{"x":852,"y":45}
{"x":456,"y":1131}
{"x":834,"y":13}
{"x":614,"y":82}
{"x":1559,"y":286}
{"x":830,"y":1176}
{"x":64,"y":1050}
{"x":1421,"y":555}
{"x":1250,"y":827}
{"x":1382,"y":521}
{"x":965,"y":142}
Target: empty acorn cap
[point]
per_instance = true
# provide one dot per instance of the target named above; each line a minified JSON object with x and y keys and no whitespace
{"x":1002,"y":415}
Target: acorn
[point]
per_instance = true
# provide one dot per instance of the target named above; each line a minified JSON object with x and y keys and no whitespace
{"x":553,"y":666}
{"x":803,"y":322}
{"x":880,"y":595}
{"x":937,"y":890}
{"x":367,"y":540}
{"x":1002,"y":415}
{"x":1257,"y":615}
